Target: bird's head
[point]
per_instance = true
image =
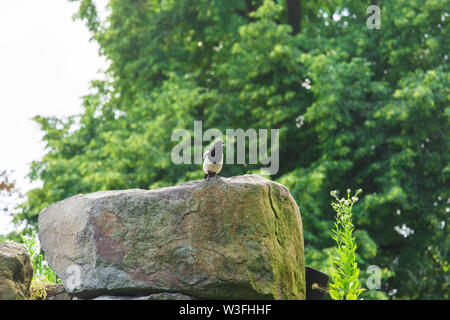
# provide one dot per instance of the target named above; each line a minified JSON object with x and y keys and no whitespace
{"x":219,"y":144}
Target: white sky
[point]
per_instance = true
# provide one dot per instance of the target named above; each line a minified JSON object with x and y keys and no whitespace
{"x":46,"y":64}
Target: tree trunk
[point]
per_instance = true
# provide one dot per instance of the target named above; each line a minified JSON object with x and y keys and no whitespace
{"x":294,"y":9}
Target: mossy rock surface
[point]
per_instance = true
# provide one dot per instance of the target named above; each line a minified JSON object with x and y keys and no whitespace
{"x":16,"y":272}
{"x":226,"y":238}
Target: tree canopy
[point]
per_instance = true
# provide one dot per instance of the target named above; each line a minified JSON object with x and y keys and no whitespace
{"x":356,"y":107}
{"x":8,"y":190}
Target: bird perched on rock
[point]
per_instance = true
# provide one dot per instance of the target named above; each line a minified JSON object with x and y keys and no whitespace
{"x":213,"y":160}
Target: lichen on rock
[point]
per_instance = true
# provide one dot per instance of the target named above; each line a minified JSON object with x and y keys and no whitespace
{"x":16,"y":272}
{"x":226,"y":238}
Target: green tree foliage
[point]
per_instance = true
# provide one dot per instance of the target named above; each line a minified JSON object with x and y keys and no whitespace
{"x":355,"y":107}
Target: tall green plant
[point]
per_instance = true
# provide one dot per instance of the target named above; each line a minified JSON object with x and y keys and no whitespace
{"x":43,"y":275}
{"x":345,"y":272}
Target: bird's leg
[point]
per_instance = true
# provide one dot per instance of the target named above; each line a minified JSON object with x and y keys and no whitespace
{"x":209,"y":175}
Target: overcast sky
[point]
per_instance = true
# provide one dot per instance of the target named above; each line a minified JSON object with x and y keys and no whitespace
{"x":46,"y":64}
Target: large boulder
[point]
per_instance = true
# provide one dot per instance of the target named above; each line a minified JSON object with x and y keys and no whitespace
{"x":16,"y":272}
{"x":155,"y":296}
{"x":226,"y":238}
{"x":56,"y":292}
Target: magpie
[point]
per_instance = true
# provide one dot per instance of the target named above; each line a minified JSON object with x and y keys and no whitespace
{"x":213,"y":160}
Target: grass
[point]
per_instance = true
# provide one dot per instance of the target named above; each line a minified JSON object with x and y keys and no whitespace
{"x":43,"y":275}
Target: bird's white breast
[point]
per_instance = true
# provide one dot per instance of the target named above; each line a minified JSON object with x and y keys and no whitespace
{"x":208,"y":166}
